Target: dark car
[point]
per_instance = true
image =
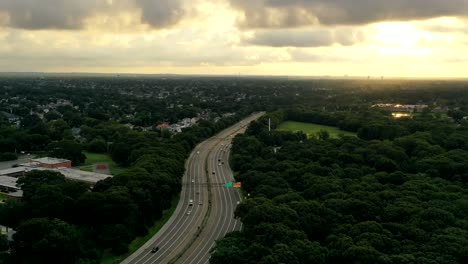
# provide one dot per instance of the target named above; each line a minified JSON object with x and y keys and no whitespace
{"x":155,"y":249}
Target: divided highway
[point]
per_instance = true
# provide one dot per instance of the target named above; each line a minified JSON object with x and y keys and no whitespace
{"x":206,"y":207}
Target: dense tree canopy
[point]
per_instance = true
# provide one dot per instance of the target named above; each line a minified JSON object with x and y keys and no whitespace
{"x":382,"y":197}
{"x":393,"y":194}
{"x":78,"y":223}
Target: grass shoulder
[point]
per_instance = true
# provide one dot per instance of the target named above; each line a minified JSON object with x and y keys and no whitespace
{"x":140,"y":241}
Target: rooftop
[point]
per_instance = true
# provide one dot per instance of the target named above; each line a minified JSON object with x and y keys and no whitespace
{"x":11,"y":171}
{"x":9,"y":182}
{"x":79,"y":175}
{"x":71,"y":174}
{"x":49,"y":160}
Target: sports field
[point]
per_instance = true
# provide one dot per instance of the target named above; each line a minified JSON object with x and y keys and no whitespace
{"x":94,"y":158}
{"x":312,"y":129}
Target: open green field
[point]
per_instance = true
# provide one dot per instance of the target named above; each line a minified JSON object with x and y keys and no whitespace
{"x":93,"y":158}
{"x":140,"y":241}
{"x":311,"y":129}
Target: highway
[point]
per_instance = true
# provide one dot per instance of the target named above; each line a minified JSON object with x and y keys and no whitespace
{"x":206,"y":207}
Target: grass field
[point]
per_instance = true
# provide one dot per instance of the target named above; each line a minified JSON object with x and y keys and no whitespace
{"x":93,"y":158}
{"x":140,"y":241}
{"x":312,"y":129}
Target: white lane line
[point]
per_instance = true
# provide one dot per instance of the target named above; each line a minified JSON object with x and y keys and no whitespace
{"x":222,"y":230}
{"x":226,"y":217}
{"x":177,"y":220}
{"x":236,"y":129}
{"x":193,"y":171}
{"x":215,"y":202}
{"x":218,"y":229}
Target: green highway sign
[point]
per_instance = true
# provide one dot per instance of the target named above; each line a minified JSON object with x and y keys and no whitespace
{"x":229,"y":184}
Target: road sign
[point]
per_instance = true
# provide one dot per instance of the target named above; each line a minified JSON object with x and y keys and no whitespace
{"x":229,"y":184}
{"x":237,"y":185}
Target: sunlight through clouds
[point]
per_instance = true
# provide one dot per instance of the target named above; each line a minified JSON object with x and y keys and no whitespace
{"x":295,"y":37}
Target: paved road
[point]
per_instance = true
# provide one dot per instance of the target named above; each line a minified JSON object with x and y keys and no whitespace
{"x":185,"y":238}
{"x":21,"y":159}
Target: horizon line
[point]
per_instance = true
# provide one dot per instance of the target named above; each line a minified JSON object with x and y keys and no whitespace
{"x":128,"y":74}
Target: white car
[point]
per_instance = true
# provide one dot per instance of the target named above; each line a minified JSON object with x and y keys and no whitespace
{"x":188,"y":212}
{"x":190,"y":202}
{"x":193,"y":180}
{"x":198,"y":152}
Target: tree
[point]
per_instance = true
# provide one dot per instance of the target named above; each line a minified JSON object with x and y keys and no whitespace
{"x":97,"y":145}
{"x":120,"y":153}
{"x":35,"y":179}
{"x":323,"y":134}
{"x":40,"y":239}
{"x":3,"y":242}
{"x":67,"y":149}
{"x":57,"y":129}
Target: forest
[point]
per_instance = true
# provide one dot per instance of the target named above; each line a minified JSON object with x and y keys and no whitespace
{"x":64,"y":220}
{"x":395,"y":194}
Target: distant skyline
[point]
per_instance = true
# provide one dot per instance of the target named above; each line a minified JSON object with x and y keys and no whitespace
{"x":398,"y":38}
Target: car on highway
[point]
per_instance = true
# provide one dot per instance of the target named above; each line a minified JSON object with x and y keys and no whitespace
{"x":154,"y":250}
{"x":198,"y":152}
{"x":190,"y":202}
{"x":193,"y":180}
{"x":188,"y":212}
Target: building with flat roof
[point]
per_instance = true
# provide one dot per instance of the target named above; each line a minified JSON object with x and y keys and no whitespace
{"x":9,"y":188}
{"x":13,"y":172}
{"x":78,"y":175}
{"x":49,"y":162}
{"x":9,"y":177}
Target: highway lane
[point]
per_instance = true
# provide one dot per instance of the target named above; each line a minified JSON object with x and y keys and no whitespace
{"x":221,"y":219}
{"x":176,"y":240}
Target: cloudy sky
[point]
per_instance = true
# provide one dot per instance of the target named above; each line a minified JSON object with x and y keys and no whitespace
{"x":408,"y":38}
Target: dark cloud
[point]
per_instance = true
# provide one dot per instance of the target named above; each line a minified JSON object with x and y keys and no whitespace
{"x":305,"y":38}
{"x":47,"y":14}
{"x":449,"y":29}
{"x":161,"y":13}
{"x":295,"y":13}
{"x":70,"y":14}
{"x":283,"y":38}
{"x":300,"y":55}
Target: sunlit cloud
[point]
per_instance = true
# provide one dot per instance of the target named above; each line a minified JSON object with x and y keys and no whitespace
{"x":295,"y":37}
